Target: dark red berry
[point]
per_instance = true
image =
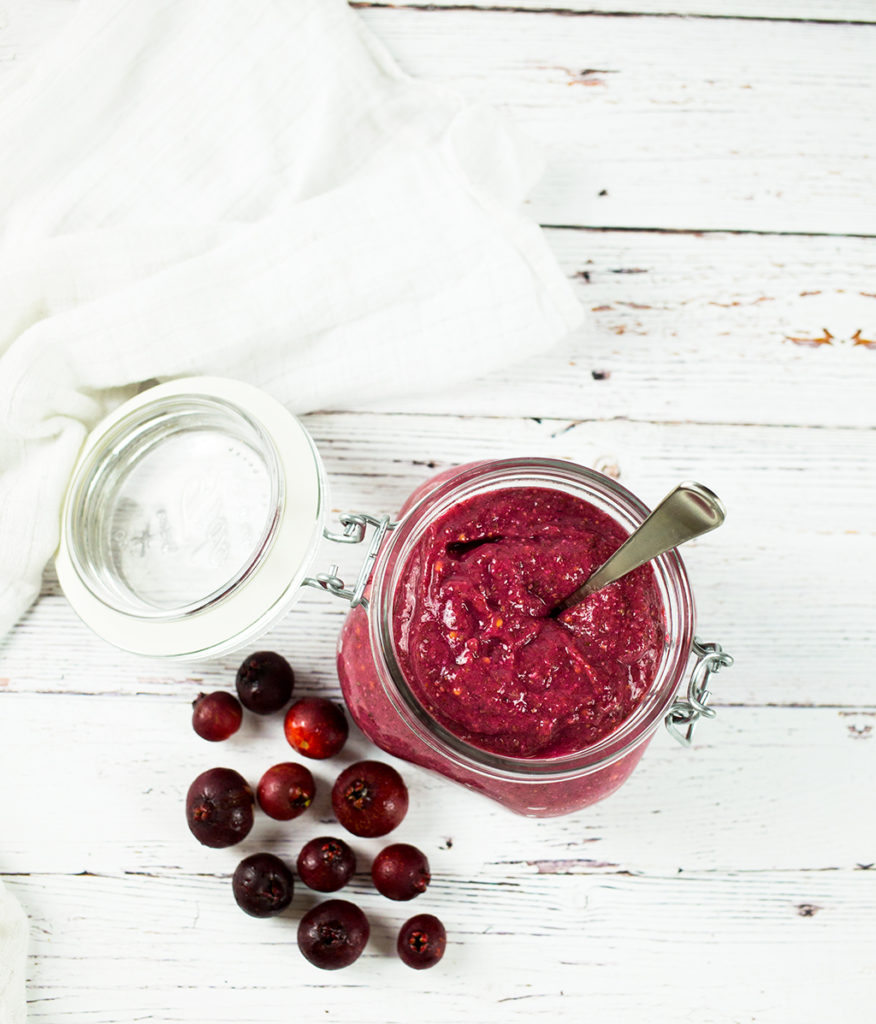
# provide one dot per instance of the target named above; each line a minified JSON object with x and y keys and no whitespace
{"x":216,"y":716}
{"x":262,"y":885}
{"x":326,"y":864}
{"x":333,"y":934}
{"x":400,"y":872}
{"x":316,"y":727}
{"x":286,"y":790}
{"x":264,"y":682}
{"x":369,"y":798}
{"x":219,"y":807}
{"x":421,"y":941}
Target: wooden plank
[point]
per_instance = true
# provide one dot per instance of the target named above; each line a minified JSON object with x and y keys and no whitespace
{"x":703,"y":948}
{"x":671,"y":131}
{"x":800,"y":523}
{"x":858,"y":11}
{"x":714,"y":328}
{"x":717,"y":857}
{"x":108,"y":776}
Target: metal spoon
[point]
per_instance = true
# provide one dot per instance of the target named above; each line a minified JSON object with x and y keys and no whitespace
{"x":687,"y":512}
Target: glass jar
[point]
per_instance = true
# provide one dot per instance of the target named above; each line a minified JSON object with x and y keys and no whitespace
{"x":386,"y":709}
{"x":195,"y":517}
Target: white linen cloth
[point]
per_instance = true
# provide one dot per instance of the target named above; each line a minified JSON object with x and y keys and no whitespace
{"x":250,"y":190}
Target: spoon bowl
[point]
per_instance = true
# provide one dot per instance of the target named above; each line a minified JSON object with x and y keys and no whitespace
{"x":688,"y":511}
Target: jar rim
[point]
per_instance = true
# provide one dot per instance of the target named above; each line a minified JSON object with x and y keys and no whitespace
{"x":251,"y":597}
{"x":145,"y":428}
{"x":625,"y":508}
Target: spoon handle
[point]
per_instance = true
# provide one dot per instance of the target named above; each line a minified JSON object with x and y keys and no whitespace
{"x":686,"y":512}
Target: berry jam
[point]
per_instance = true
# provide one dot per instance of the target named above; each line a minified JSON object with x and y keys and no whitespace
{"x":458,"y":664}
{"x":476,"y":641}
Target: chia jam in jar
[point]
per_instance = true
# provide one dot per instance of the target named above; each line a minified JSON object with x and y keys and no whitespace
{"x":456,"y":664}
{"x":196,"y":515}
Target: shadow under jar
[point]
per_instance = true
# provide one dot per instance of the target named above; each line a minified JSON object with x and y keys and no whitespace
{"x":388,"y":702}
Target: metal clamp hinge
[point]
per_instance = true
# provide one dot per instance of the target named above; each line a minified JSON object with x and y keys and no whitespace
{"x":687,"y":711}
{"x":355,"y":525}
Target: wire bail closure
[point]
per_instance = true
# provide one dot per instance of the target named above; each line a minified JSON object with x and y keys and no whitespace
{"x":355,"y":525}
{"x":686,"y":711}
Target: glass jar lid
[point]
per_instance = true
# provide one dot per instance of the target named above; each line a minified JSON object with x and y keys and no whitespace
{"x":192,"y":518}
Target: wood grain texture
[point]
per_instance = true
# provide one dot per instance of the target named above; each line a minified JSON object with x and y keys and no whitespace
{"x":690,"y":124}
{"x":117,"y":889}
{"x":715,"y":328}
{"x":728,"y":884}
{"x":127,"y":785}
{"x":788,"y":963}
{"x":854,"y":11}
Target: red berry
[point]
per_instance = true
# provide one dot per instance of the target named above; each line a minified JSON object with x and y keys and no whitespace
{"x":421,"y":941}
{"x":286,"y":790}
{"x":316,"y":727}
{"x":264,"y":682}
{"x":216,"y":716}
{"x":219,"y":807}
{"x":333,"y":934}
{"x":369,"y":798}
{"x":262,"y":885}
{"x":400,"y":872}
{"x":326,"y":864}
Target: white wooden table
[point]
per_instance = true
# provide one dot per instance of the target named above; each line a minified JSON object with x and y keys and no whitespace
{"x":710,"y":191}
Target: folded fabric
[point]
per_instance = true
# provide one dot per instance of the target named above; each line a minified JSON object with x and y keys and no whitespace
{"x":245,"y":190}
{"x":13,"y":951}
